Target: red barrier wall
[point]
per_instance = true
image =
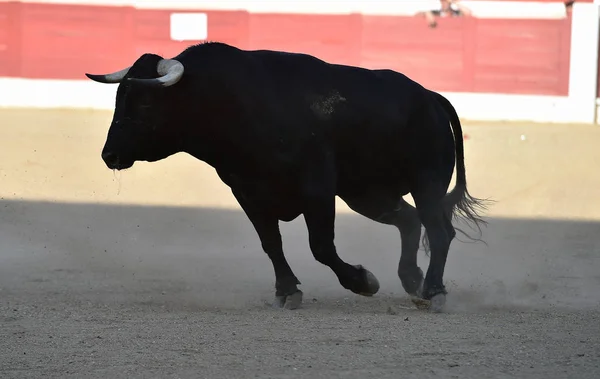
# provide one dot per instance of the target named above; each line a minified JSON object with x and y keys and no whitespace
{"x":461,"y":54}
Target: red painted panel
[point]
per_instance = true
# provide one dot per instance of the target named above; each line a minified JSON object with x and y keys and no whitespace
{"x":598,"y":85}
{"x":152,"y":31}
{"x":5,"y":37}
{"x":519,"y":56}
{"x":470,"y":27}
{"x":549,"y":1}
{"x":63,"y":41}
{"x":332,"y":38}
{"x":461,"y":54}
{"x":433,"y":57}
{"x":10,"y":39}
{"x":565,"y":55}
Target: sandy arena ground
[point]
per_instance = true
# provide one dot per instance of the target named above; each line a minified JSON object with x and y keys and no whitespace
{"x":156,"y":273}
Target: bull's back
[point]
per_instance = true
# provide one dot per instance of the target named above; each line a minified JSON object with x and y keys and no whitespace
{"x":344,"y":98}
{"x":362,"y":115}
{"x":370,"y":113}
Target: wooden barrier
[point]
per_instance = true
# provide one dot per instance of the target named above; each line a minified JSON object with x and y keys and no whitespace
{"x":514,"y":60}
{"x":514,"y":56}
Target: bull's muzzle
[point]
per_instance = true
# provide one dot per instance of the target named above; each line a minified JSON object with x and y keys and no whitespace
{"x":112,"y":160}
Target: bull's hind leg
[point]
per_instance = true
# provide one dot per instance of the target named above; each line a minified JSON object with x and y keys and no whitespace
{"x":287,"y":294}
{"x":428,"y":197}
{"x":409,"y":225}
{"x":390,"y":209}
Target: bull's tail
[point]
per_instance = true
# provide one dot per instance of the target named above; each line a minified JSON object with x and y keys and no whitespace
{"x":459,"y":204}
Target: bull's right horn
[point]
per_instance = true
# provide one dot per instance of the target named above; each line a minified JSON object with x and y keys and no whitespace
{"x":115,"y":77}
{"x":170,"y":71}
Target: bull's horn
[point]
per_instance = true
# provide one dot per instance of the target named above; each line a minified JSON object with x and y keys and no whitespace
{"x":115,"y":77}
{"x":171,"y":71}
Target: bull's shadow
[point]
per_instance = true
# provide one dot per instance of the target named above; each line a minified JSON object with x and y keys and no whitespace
{"x":205,"y":258}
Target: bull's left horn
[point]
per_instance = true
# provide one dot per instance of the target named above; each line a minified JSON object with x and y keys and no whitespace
{"x":171,"y":71}
{"x":115,"y":77}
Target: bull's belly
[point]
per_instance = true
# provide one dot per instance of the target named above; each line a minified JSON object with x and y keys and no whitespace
{"x":360,"y":179}
{"x":273,"y":199}
{"x":286,"y":208}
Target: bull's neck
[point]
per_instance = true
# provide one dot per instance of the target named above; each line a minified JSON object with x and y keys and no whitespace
{"x":216,"y":130}
{"x":216,"y":150}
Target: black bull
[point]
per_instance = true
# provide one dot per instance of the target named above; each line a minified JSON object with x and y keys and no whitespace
{"x":287,"y":133}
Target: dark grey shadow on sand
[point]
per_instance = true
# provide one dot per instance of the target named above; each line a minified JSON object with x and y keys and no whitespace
{"x":202,"y":258}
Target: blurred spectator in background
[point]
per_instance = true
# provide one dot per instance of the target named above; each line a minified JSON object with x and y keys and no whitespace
{"x":569,"y":4}
{"x":448,"y":8}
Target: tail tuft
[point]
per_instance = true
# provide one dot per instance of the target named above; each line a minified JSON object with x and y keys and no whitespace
{"x":468,"y":210}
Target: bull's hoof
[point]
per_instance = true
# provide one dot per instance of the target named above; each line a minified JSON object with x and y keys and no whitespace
{"x":435,"y":305}
{"x":438,"y":303}
{"x":412,"y":280}
{"x":420,"y":303}
{"x":370,"y":284}
{"x":290,"y":302}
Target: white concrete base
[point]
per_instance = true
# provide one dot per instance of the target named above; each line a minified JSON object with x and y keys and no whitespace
{"x":50,"y":93}
{"x":30,"y":93}
{"x":583,"y":76}
{"x":528,"y":108}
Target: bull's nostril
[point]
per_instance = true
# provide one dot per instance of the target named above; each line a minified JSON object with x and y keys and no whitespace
{"x":110,"y":158}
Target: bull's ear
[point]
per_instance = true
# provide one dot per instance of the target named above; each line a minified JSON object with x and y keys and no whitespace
{"x":115,"y":77}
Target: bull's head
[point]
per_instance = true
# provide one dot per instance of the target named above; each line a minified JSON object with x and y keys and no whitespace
{"x":144,"y":124}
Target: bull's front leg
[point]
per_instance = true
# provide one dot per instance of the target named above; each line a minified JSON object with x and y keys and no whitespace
{"x":287,"y":294}
{"x":319,"y":215}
